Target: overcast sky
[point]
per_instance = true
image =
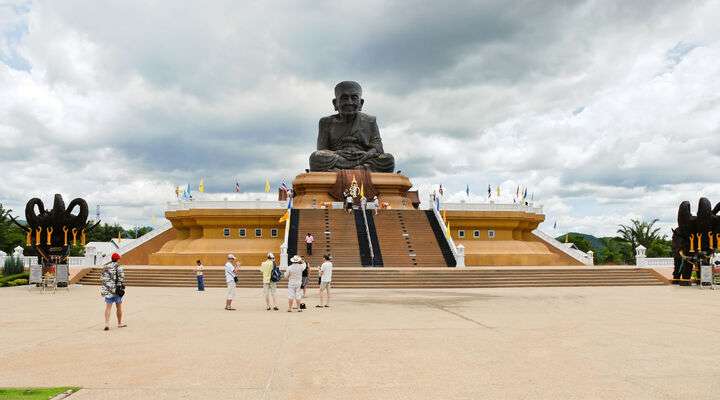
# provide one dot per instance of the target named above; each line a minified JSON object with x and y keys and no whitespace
{"x":605,"y":110}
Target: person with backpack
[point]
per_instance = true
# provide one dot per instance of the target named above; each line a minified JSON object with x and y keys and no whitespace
{"x":112,"y":289}
{"x":271,"y":275}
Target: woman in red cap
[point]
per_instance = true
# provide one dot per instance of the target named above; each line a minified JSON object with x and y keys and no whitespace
{"x":112,"y":288}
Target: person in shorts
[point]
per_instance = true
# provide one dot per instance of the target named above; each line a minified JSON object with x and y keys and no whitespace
{"x":294,"y":275}
{"x":230,"y":280}
{"x":269,"y":287}
{"x":112,"y":278}
{"x":325,"y":281}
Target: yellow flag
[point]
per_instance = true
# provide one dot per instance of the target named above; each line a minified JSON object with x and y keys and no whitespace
{"x":267,"y":185}
{"x":498,"y":191}
{"x":284,"y":217}
{"x":448,"y":229}
{"x":201,"y":188}
{"x":444,"y":216}
{"x":362,"y":190}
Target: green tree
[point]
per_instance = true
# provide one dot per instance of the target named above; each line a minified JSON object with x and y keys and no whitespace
{"x":138,"y":231}
{"x":105,"y":232}
{"x":11,"y":235}
{"x":579,"y":241}
{"x":617,"y":251}
{"x":640,"y":232}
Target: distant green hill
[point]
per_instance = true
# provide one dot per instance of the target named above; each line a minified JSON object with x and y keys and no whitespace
{"x":595,"y":242}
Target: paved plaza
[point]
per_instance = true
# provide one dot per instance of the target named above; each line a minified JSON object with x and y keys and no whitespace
{"x":544,"y":343}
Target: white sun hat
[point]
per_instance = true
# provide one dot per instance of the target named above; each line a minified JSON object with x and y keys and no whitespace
{"x":296,"y":259}
{"x":231,"y":257}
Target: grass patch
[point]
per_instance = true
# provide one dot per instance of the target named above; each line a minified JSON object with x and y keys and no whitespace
{"x":33,"y":393}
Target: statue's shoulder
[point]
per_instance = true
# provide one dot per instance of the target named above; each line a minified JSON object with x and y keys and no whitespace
{"x":367,"y":118}
{"x":331,"y":118}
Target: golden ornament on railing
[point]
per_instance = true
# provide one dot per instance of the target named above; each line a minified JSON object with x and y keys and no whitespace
{"x":699,"y":237}
{"x":82,"y":237}
{"x":65,"y":229}
{"x":74,"y":232}
{"x":692,"y":242}
{"x":29,"y":238}
{"x":49,"y":235}
{"x":710,"y":240}
{"x":38,"y":231}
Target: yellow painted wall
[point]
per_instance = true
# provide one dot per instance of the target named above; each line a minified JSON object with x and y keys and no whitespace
{"x":513,"y":244}
{"x":200,"y":236}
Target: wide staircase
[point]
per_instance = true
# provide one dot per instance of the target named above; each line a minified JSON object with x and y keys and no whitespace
{"x":405,"y":278}
{"x":335,"y":234}
{"x":408,"y":240}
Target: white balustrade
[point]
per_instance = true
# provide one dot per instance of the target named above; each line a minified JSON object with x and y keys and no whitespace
{"x":227,"y":204}
{"x":491,"y":207}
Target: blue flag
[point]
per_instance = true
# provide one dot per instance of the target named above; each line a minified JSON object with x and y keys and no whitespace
{"x":467,"y":190}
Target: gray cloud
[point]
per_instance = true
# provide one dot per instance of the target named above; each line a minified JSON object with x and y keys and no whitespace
{"x":593,"y":105}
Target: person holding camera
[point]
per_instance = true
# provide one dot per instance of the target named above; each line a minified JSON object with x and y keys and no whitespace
{"x":231,"y":280}
{"x":112,"y":289}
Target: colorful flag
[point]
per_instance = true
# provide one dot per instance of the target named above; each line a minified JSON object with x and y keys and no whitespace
{"x":525,"y":194}
{"x":467,"y":190}
{"x":285,"y":216}
{"x":448,"y":229}
{"x":201,"y":188}
{"x":283,"y":187}
{"x":555,"y":225}
{"x":444,"y":216}
{"x":497,"y":189}
{"x":441,"y":191}
{"x":267,"y":185}
{"x":177,"y":191}
{"x":237,"y":187}
{"x":489,"y":191}
{"x":517,"y":191}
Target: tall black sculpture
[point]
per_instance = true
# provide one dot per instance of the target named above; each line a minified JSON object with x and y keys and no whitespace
{"x":695,"y":239}
{"x":52,"y":232}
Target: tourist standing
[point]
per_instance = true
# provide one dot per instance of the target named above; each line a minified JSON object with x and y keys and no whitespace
{"x":349,"y":203}
{"x":376,"y":201}
{"x":231,"y":280}
{"x":294,"y":275}
{"x":200,"y":276}
{"x":304,"y":284}
{"x":112,"y":281}
{"x":269,"y":287}
{"x":325,"y":281}
{"x":309,"y":240}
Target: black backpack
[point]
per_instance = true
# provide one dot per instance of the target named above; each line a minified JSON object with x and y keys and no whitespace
{"x":276,"y":274}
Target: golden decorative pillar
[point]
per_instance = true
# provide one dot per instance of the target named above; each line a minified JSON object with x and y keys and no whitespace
{"x":65,"y":230}
{"x":49,"y":235}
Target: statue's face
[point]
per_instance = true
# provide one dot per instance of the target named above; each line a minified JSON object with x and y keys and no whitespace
{"x":349,"y":102}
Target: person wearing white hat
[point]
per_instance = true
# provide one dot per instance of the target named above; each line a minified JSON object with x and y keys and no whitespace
{"x":294,"y":275}
{"x":269,"y":287}
{"x":230,"y":280}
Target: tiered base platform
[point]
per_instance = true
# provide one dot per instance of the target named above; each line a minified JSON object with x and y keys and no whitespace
{"x":404,"y":278}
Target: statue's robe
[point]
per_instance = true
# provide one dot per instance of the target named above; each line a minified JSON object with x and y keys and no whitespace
{"x":342,"y":145}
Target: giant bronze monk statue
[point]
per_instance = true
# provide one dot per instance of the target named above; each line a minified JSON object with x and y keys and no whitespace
{"x":350,"y":139}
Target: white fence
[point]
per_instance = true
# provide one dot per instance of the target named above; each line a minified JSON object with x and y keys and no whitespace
{"x":29,"y":261}
{"x":228,"y":204}
{"x":585,"y":258}
{"x":491,"y":207}
{"x":654,"y":262}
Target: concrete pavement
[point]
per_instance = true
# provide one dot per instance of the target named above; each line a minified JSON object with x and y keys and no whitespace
{"x":554,"y":343}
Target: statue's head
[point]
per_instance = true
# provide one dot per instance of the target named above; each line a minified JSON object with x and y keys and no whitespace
{"x":348,"y":98}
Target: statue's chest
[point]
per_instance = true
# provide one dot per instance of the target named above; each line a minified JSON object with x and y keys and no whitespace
{"x":340,"y":130}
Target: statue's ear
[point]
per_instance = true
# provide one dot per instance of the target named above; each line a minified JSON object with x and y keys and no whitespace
{"x":334,"y":101}
{"x":362,"y":101}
